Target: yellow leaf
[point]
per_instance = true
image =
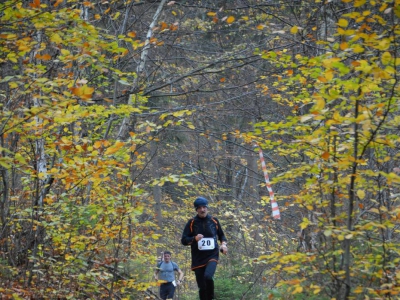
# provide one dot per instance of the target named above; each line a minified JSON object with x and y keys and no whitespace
{"x":343,"y":23}
{"x":320,"y":105}
{"x":317,"y":290}
{"x":358,"y":3}
{"x":297,"y":290}
{"x":305,"y":223}
{"x":65,"y":52}
{"x":358,"y":290}
{"x":55,"y":38}
{"x":116,"y":15}
{"x":13,"y":85}
{"x":9,"y":36}
{"x":384,"y":44}
{"x":211,"y":13}
{"x":294,"y":29}
{"x":361,"y":194}
{"x":230,"y":19}
{"x":358,"y":49}
{"x":329,"y":74}
{"x":20,"y":158}
{"x":65,"y":141}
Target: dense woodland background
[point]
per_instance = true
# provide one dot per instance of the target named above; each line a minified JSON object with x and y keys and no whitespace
{"x":116,"y":114}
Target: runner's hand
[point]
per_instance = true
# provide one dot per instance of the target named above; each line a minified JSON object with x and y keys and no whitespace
{"x":223,"y":249}
{"x":198,"y":237}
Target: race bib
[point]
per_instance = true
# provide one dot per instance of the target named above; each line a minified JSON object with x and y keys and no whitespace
{"x":206,"y":244}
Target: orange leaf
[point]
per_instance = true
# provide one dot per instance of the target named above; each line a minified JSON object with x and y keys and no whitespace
{"x":58,"y":2}
{"x":325,"y":155}
{"x":84,"y":92}
{"x":173,"y":27}
{"x":131,"y":34}
{"x":230,"y":19}
{"x":114,"y":148}
{"x":46,"y":57}
{"x":97,"y":144}
{"x":344,"y":46}
{"x":164,"y":25}
{"x":35,"y":4}
{"x":222,"y":79}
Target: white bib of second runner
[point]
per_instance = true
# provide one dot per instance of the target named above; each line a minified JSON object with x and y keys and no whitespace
{"x":206,"y":244}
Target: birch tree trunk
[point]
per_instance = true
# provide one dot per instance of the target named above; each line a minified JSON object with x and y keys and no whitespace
{"x":140,"y":68}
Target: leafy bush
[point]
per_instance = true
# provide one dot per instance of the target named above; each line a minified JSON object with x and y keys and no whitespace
{"x":230,"y":289}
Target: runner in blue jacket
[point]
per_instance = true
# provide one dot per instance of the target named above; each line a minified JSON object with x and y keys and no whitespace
{"x":202,"y":233}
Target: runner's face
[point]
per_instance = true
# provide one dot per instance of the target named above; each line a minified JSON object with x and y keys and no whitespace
{"x":202,"y":211}
{"x":167,"y":257}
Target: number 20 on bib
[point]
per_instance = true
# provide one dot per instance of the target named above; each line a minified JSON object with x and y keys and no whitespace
{"x":206,"y":244}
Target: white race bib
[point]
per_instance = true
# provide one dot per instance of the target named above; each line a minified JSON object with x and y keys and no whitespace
{"x":206,"y":244}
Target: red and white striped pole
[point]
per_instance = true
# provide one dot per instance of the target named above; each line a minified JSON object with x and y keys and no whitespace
{"x":275,"y":209}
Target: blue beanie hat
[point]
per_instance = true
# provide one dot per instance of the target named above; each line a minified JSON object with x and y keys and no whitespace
{"x":200,"y":201}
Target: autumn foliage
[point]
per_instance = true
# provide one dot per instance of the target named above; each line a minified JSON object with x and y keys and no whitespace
{"x":114,"y":115}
